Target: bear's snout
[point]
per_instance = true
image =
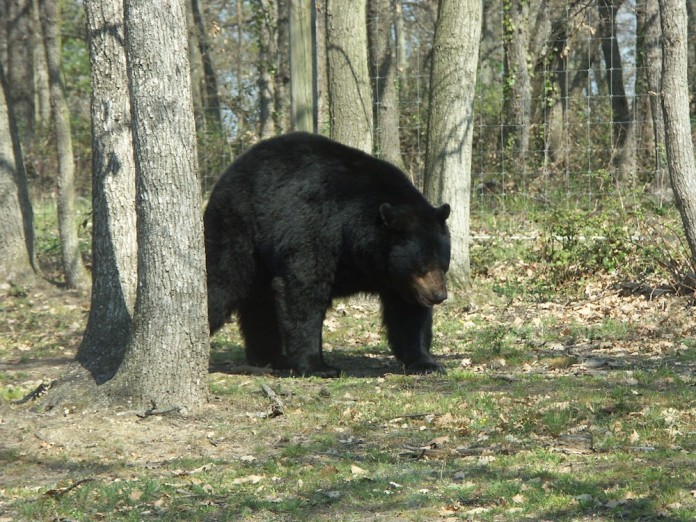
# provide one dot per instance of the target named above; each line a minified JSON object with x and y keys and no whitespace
{"x":431,"y":288}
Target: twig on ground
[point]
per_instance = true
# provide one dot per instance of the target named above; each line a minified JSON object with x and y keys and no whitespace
{"x":155,"y":411}
{"x":59,"y":492}
{"x":277,"y":405}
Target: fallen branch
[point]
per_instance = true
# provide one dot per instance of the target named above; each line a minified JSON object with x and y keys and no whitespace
{"x":59,"y":492}
{"x":155,"y":411}
{"x":277,"y":405}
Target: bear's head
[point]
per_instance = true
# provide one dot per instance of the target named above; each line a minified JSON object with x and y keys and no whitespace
{"x":419,"y":254}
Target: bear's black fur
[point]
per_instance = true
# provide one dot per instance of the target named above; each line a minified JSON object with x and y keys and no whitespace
{"x":300,"y":219}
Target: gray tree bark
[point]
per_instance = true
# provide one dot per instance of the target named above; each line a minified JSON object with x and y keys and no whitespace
{"x":450,"y":122}
{"x":675,"y":106}
{"x":17,"y":257}
{"x":20,"y":67}
{"x":301,"y":41}
{"x":266,"y":20}
{"x":166,"y":359}
{"x":650,"y":52}
{"x":350,"y":96}
{"x":517,"y":84}
{"x":114,"y":243}
{"x":381,"y":16}
{"x":623,"y":137}
{"x":76,"y":275}
{"x":282,"y":69}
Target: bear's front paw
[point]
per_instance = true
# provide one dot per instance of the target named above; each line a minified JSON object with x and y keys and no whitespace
{"x":324,"y":371}
{"x":425,"y":366}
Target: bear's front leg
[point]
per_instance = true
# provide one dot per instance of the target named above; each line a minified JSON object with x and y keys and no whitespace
{"x":410,"y":333}
{"x":301,"y":308}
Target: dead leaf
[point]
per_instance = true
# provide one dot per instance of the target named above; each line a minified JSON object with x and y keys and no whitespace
{"x":518,"y":499}
{"x":436,"y":443}
{"x":249,"y":479}
{"x":634,"y":437}
{"x":356,"y":470}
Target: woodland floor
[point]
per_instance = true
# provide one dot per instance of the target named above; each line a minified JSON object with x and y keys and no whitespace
{"x":537,"y":392}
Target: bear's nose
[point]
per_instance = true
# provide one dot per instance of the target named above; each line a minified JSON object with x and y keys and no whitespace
{"x":439,"y":296}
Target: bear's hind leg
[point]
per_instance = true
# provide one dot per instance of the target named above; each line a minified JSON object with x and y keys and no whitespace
{"x":259,"y":324}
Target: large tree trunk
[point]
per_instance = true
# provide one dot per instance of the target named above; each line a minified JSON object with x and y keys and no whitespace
{"x":382,"y":46}
{"x":675,"y":105}
{"x":114,"y":244}
{"x":75,"y":273}
{"x":303,"y":103}
{"x":17,"y":261}
{"x":450,"y":122}
{"x":350,"y":98}
{"x":166,"y":360}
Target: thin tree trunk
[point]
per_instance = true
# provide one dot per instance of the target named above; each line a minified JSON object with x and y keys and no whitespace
{"x":450,"y":122}
{"x":42,"y":90}
{"x":650,"y":51}
{"x":265,"y":18}
{"x":675,"y":104}
{"x":166,"y":360}
{"x":382,"y":47}
{"x":303,"y":102}
{"x":196,"y":62}
{"x":20,"y":67}
{"x":211,"y":99}
{"x":75,"y":273}
{"x":350,"y":97}
{"x":17,"y":260}
{"x":282,"y":69}
{"x":622,"y":128}
{"x":517,"y":97}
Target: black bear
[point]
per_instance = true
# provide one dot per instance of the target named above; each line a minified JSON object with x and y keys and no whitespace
{"x":300,"y":219}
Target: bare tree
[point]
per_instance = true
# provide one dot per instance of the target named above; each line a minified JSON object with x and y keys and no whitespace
{"x":20,"y":68}
{"x":211,"y":99}
{"x":450,"y":121}
{"x":675,"y":104}
{"x":166,"y":359}
{"x":114,"y":244}
{"x":282,"y":68}
{"x":622,"y":127}
{"x":17,"y":261}
{"x":517,"y":90}
{"x":650,"y":56}
{"x":75,"y":273}
{"x":381,"y":16}
{"x":350,"y":97}
{"x":303,"y":103}
{"x":265,"y":22}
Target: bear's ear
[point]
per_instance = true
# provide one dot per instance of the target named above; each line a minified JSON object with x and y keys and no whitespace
{"x":393,"y":217}
{"x":443,"y":212}
{"x":388,"y":214}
